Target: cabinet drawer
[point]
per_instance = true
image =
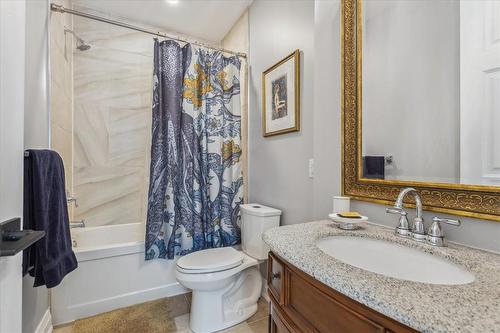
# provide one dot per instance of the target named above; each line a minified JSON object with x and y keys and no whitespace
{"x":275,"y":277}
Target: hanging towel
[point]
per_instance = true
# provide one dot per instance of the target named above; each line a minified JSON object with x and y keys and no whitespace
{"x":374,"y":167}
{"x":45,"y":208}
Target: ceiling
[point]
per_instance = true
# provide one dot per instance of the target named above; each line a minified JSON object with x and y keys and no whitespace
{"x":205,"y":19}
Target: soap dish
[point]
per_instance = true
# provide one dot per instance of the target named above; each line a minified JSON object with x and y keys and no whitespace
{"x":348,"y":223}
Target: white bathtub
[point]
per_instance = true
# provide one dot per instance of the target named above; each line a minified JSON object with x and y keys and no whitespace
{"x":111,"y":274}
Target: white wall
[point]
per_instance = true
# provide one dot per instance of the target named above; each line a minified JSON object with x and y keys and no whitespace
{"x":36,"y":133}
{"x":411,"y":87}
{"x":36,"y":122}
{"x":278,"y":165}
{"x":327,"y":150}
{"x":300,"y":198}
{"x":237,"y":38}
{"x":12,"y":46}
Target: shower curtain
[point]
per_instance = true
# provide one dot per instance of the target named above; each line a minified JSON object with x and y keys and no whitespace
{"x":196,"y":182}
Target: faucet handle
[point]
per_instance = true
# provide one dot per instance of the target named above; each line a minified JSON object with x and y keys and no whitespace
{"x":447,"y":221}
{"x":403,"y":228}
{"x":435,"y":235}
{"x":70,"y":198}
{"x":395,"y":210}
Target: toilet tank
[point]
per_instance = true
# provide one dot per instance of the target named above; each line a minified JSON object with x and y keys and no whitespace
{"x":255,"y":219}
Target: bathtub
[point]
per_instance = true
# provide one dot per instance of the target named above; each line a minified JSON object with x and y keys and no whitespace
{"x":111,"y":274}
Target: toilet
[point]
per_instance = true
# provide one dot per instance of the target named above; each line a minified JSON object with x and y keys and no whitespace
{"x":226,"y":283}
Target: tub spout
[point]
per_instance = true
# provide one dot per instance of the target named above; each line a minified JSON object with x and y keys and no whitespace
{"x":77,"y":224}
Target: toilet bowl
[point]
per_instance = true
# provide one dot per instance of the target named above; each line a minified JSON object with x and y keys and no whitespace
{"x":222,"y":296}
{"x":226,"y":283}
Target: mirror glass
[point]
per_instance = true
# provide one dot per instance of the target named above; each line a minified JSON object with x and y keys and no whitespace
{"x":431,"y":91}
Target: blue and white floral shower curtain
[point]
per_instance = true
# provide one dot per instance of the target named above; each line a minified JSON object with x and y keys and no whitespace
{"x":196,"y":182}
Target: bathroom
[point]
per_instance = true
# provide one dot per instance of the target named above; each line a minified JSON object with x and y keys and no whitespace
{"x":377,"y":97}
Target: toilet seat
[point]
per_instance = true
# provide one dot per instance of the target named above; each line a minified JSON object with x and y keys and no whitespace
{"x":210,"y":261}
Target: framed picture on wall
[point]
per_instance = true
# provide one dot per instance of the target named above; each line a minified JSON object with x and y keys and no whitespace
{"x":281,"y":96}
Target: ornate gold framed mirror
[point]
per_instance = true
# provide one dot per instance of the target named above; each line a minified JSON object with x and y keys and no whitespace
{"x":418,"y":128}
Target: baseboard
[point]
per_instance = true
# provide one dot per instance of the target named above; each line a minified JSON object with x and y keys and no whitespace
{"x":45,"y":325}
{"x":83,"y":310}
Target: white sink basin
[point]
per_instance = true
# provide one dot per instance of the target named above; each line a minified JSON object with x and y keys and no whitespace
{"x":394,"y":260}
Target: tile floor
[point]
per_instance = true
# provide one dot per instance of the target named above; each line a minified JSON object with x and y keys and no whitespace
{"x":258,"y":323}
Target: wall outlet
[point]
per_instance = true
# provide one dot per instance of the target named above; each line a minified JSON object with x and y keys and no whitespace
{"x":311,"y":168}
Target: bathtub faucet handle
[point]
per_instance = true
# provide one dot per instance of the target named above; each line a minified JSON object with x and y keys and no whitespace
{"x":70,"y":198}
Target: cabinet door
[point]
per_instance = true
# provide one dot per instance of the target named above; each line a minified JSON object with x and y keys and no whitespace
{"x":324,"y":313}
{"x":277,"y":325}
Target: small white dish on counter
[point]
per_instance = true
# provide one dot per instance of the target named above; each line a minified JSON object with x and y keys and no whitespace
{"x":346,"y":223}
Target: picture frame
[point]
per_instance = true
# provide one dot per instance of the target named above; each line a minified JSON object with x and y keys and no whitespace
{"x":281,"y":96}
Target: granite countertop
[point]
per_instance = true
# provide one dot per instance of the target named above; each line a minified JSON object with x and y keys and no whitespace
{"x":473,"y":307}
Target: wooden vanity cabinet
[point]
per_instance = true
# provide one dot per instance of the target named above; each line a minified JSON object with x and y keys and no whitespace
{"x":299,"y":303}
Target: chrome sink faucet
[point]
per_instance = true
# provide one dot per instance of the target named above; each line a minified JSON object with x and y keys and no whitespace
{"x":417,"y":231}
{"x":435,"y":235}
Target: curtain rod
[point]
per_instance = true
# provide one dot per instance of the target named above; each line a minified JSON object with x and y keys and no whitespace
{"x":62,"y":9}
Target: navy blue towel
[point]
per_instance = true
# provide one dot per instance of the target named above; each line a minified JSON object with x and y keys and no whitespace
{"x":374,"y":167}
{"x":45,"y":208}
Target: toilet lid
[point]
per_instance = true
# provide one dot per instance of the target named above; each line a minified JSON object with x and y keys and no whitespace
{"x":211,"y":260}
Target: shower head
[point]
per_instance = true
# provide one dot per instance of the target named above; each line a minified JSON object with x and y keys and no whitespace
{"x":80,"y":43}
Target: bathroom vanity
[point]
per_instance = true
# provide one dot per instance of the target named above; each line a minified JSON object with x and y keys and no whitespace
{"x":312,"y":291}
{"x":299,"y":303}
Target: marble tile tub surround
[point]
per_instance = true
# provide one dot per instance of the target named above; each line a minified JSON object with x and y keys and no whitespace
{"x":112,"y":120}
{"x":61,"y":90}
{"x":473,"y":307}
{"x":112,"y":111}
